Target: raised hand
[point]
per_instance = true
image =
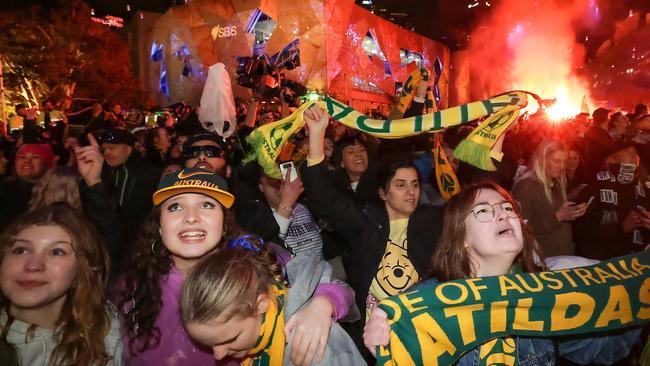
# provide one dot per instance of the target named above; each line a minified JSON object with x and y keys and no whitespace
{"x":316,"y":119}
{"x":290,"y":190}
{"x":90,"y":161}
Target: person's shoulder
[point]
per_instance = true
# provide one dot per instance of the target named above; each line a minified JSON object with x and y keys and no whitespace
{"x":527,"y":182}
{"x":428,"y":211}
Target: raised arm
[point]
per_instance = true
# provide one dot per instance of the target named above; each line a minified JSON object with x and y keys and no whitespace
{"x":323,"y":199}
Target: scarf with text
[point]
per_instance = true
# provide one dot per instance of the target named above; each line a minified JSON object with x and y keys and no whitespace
{"x":267,"y":141}
{"x":436,"y":323}
{"x":269,"y":350}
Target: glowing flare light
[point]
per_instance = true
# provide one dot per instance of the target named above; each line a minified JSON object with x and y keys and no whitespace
{"x":564,"y":106}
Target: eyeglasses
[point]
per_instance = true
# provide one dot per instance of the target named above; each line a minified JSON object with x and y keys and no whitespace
{"x":209,"y":151}
{"x":485,"y":212}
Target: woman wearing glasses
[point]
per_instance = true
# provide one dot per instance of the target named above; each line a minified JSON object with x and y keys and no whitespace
{"x":483,"y":235}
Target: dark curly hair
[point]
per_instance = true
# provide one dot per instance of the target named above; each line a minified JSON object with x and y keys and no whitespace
{"x":139,"y":294}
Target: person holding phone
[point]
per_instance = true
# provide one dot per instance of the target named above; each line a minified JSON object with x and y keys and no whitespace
{"x":617,"y":222}
{"x":279,"y":217}
{"x":541,"y":191}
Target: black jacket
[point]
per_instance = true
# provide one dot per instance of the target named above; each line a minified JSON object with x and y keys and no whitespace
{"x":599,"y":233}
{"x":124,"y":198}
{"x":15,"y":194}
{"x":367,"y":230}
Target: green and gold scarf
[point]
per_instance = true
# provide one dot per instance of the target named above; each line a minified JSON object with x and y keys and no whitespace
{"x":436,"y":323}
{"x":269,"y":350}
{"x":448,"y":184}
{"x":267,"y":141}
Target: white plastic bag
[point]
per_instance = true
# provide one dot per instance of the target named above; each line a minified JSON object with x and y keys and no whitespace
{"x":217,"y":103}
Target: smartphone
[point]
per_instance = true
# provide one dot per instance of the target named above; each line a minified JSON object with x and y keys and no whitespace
{"x":590,"y":200}
{"x":285,"y":166}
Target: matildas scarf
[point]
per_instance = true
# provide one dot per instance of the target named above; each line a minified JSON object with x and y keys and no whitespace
{"x":269,"y":350}
{"x":267,"y":141}
{"x":436,"y":323}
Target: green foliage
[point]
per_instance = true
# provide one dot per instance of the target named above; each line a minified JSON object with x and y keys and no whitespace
{"x":63,"y":48}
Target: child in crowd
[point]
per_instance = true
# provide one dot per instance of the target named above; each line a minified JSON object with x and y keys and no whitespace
{"x":52,"y":309}
{"x":236,"y":301}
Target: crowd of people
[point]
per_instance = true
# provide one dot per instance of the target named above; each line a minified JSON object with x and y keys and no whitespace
{"x":144,"y":242}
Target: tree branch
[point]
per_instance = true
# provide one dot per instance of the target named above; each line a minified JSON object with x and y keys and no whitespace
{"x":45,"y":34}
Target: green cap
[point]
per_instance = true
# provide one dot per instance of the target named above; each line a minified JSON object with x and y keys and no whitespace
{"x":193,"y":180}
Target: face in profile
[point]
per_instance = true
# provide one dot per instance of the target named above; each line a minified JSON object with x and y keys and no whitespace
{"x":38,"y":268}
{"x":556,"y":163}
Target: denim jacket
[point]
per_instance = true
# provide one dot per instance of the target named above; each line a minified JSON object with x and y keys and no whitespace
{"x":531,"y":352}
{"x":604,"y":349}
{"x":598,"y":348}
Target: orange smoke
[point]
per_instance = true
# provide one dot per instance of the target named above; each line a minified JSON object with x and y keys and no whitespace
{"x":531,"y":45}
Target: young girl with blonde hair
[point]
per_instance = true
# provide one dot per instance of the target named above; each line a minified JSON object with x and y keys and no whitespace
{"x":236,"y":302}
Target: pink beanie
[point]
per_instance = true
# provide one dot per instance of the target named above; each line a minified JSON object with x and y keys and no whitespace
{"x":42,"y":150}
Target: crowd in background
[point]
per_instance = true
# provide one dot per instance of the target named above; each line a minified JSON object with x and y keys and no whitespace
{"x":581,"y":185}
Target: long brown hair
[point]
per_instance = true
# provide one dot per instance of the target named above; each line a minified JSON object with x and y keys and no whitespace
{"x":84,"y":320}
{"x":140,"y":297}
{"x":229,"y":280}
{"x":451,"y":260}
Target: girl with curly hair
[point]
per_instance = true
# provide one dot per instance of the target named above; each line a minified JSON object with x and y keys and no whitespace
{"x":190,"y":220}
{"x":52,"y":276}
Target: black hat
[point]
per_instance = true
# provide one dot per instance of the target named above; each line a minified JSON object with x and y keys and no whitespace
{"x":117,"y":136}
{"x":205,"y":136}
{"x":193,"y":180}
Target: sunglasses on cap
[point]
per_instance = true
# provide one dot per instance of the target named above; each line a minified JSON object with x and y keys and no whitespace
{"x":210,"y":151}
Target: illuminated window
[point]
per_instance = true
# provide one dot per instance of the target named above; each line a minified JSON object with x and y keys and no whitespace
{"x":263,"y":26}
{"x":371,"y":47}
{"x":406,"y":57}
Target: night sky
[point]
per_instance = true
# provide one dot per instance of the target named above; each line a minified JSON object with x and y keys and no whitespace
{"x":447,"y":21}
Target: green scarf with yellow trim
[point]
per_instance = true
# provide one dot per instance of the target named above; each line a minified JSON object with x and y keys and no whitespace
{"x":269,"y":350}
{"x":267,"y":141}
{"x":436,"y":323}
